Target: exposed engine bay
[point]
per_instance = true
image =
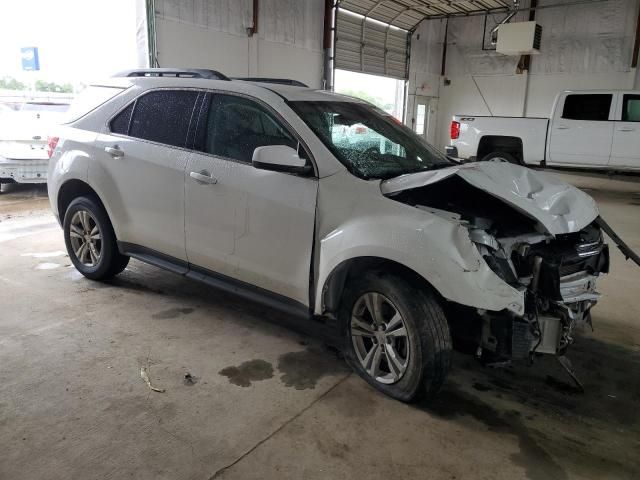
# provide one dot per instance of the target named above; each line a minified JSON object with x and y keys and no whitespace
{"x":557,"y":273}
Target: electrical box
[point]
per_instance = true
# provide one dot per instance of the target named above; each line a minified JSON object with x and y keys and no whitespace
{"x":519,"y":38}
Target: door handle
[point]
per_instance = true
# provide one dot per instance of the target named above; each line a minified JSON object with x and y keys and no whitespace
{"x":626,"y":129}
{"x":203,"y":177}
{"x":562,"y":127}
{"x":114,"y":151}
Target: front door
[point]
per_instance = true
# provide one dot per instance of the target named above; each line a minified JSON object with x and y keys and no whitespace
{"x":252,"y":225}
{"x":625,"y":151}
{"x":581,"y":130}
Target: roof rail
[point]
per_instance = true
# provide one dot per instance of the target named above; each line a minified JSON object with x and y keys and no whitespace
{"x":173,"y":72}
{"x":280,"y":81}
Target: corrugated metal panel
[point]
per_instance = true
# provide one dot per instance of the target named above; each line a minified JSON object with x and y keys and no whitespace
{"x":363,"y":45}
{"x":408,"y":13}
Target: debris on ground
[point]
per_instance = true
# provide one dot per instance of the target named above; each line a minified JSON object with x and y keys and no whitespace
{"x":145,"y":376}
{"x":190,"y":380}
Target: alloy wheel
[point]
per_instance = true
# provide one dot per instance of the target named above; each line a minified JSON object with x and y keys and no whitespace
{"x":86,"y":238}
{"x":380,"y":339}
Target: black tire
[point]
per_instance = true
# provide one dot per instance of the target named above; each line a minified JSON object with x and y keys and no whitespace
{"x":501,"y":157}
{"x":110,"y":261}
{"x":427,"y":330}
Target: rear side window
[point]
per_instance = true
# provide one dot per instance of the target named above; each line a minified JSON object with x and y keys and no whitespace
{"x":631,"y":108}
{"x":120,"y":124}
{"x":594,"y":107}
{"x":236,"y":126}
{"x":90,"y":98}
{"x":163,"y":116}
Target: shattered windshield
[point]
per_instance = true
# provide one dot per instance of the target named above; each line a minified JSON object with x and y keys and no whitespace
{"x":368,"y":141}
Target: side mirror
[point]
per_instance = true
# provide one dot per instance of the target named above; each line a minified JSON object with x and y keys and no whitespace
{"x":280,"y":158}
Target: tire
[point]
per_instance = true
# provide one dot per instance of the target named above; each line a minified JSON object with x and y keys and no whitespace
{"x":501,"y":157}
{"x":86,"y":223}
{"x":425,"y":351}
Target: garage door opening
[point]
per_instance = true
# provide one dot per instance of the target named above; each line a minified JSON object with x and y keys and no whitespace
{"x":384,"y":92}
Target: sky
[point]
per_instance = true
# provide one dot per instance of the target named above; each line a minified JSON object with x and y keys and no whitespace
{"x":78,"y":40}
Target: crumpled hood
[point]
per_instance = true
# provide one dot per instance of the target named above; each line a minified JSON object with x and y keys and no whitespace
{"x":556,"y":205}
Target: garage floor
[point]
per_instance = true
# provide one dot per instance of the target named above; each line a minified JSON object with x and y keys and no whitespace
{"x":248,"y":398}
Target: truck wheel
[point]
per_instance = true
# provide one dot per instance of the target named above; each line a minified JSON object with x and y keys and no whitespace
{"x":90,"y":240}
{"x":502,"y":157}
{"x":395,"y":336}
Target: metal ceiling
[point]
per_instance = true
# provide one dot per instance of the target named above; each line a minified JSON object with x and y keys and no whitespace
{"x":407,"y":14}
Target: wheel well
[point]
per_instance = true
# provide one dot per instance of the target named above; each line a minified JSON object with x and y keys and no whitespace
{"x":352,"y":268}
{"x":496,"y":143}
{"x":70,"y":191}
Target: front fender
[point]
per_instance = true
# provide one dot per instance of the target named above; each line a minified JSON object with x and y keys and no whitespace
{"x":437,"y":249}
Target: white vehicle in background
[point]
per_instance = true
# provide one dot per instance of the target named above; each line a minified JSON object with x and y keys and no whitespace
{"x":588,"y":129}
{"x":24,"y":156}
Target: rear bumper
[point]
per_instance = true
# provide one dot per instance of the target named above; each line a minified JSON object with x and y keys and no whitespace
{"x":451,"y":151}
{"x":23,"y":171}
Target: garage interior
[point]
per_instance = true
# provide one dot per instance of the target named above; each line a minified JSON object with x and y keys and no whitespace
{"x":248,"y":393}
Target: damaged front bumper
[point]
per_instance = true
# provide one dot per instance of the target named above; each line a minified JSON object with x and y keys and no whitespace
{"x":559,"y":275}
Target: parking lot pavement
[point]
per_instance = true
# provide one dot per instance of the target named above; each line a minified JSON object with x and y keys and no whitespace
{"x":245,"y":397}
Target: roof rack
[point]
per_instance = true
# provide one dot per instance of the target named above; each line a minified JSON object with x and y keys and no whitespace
{"x":280,"y":81}
{"x":174,"y":72}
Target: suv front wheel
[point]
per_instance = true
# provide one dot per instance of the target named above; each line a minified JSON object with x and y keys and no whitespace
{"x":90,"y":240}
{"x":395,"y":336}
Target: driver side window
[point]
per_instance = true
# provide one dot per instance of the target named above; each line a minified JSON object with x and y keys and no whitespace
{"x":235,"y":126}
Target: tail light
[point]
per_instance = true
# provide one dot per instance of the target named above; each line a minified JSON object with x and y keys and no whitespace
{"x":52,"y":142}
{"x":455,"y":130}
{"x":361,"y":130}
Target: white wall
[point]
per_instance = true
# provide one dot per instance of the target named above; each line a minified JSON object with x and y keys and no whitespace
{"x":583,"y":47}
{"x":213,"y":34}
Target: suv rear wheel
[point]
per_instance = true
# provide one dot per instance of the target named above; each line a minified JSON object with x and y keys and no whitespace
{"x":395,"y":336}
{"x":90,"y":240}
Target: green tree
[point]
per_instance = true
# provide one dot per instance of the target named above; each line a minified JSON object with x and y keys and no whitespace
{"x":42,"y":86}
{"x":9,"y":83}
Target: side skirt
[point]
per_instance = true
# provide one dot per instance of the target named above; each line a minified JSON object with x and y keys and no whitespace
{"x":221,"y":282}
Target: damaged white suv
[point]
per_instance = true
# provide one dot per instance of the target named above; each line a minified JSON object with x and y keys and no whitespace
{"x":325,"y":207}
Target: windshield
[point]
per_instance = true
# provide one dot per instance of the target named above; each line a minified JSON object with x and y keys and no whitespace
{"x":368,"y":141}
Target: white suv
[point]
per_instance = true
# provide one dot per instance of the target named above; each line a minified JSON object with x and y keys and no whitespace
{"x":251,"y":188}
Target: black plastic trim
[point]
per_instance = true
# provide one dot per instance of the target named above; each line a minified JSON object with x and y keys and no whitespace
{"x":174,"y":72}
{"x":279,"y":81}
{"x":221,"y":282}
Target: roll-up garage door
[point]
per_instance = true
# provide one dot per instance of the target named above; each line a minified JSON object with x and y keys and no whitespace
{"x":367,"y":46}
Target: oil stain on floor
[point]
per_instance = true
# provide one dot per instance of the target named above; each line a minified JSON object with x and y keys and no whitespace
{"x":247,"y":372}
{"x":302,"y":370}
{"x":172,"y":313}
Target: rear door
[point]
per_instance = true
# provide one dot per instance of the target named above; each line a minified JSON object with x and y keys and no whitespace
{"x":625,"y":151}
{"x":582,"y":129}
{"x":143,"y":158}
{"x":252,"y":225}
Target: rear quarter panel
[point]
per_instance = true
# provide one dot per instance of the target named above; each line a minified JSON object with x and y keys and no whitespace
{"x":532,"y":132}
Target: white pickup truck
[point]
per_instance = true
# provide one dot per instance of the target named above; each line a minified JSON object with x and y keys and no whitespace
{"x":587,"y":129}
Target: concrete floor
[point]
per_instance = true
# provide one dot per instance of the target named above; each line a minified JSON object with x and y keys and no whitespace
{"x":264,"y":401}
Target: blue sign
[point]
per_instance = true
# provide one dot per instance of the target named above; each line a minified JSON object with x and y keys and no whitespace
{"x":30,"y":59}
